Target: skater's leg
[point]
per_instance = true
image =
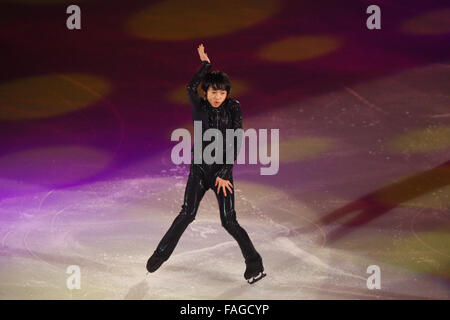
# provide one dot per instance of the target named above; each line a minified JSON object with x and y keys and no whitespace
{"x":194,"y":192}
{"x":230,"y":223}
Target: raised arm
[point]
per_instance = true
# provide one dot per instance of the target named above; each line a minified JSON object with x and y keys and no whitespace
{"x":194,"y":98}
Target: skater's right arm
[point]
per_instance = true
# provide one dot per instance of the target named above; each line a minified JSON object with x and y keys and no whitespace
{"x":194,"y":98}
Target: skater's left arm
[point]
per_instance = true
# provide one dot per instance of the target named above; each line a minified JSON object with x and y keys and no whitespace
{"x":236,"y":113}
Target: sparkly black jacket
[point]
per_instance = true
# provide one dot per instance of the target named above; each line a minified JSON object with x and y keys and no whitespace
{"x":227,"y":116}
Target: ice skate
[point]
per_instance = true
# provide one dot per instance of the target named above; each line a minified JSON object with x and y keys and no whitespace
{"x":254,"y":270}
{"x":154,"y":262}
{"x":257,"y":278}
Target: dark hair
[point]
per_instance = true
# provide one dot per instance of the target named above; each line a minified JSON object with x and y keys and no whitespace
{"x":218,"y":80}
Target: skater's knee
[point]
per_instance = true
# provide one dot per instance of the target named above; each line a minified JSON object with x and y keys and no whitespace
{"x":187,"y":216}
{"x":230,"y":222}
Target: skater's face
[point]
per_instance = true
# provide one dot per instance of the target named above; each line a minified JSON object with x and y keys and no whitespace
{"x":216,"y":96}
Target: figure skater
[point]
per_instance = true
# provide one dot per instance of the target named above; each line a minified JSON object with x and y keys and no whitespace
{"x":217,"y":111}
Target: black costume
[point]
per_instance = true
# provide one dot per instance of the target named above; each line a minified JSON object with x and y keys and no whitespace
{"x":203,"y":176}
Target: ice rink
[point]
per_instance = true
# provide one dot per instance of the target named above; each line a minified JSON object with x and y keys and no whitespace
{"x":318,"y":224}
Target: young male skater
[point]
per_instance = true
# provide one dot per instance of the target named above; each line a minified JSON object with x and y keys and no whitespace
{"x":217,"y":111}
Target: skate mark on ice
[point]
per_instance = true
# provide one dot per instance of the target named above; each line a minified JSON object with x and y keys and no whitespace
{"x":203,"y":231}
{"x":31,"y":252}
{"x":52,"y":227}
{"x":443,"y":115}
{"x":289,"y":246}
{"x":6,"y":236}
{"x":278,"y":228}
{"x":44,"y":198}
{"x":420,"y":239}
{"x":222,"y":244}
{"x":287,"y":233}
{"x":138,"y":291}
{"x":363,"y":100}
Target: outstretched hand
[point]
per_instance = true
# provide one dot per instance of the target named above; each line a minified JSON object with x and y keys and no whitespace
{"x":202,"y":54}
{"x":224,"y":184}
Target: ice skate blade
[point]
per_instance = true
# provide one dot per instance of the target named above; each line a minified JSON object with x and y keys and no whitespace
{"x":257,"y":278}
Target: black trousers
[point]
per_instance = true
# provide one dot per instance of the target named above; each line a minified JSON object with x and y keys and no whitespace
{"x":201,"y":179}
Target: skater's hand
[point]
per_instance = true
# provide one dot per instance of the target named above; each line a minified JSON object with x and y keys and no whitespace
{"x":202,"y":54}
{"x":225,"y":184}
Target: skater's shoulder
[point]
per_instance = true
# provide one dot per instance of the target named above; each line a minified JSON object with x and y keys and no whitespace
{"x":234,"y":103}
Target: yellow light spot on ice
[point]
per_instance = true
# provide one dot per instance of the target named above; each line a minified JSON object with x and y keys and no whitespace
{"x":424,"y":251}
{"x":423,"y":140}
{"x":436,"y":199}
{"x":180,"y":20}
{"x":435,"y":22}
{"x":295,"y":149}
{"x":299,"y":48}
{"x":49,"y":95}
